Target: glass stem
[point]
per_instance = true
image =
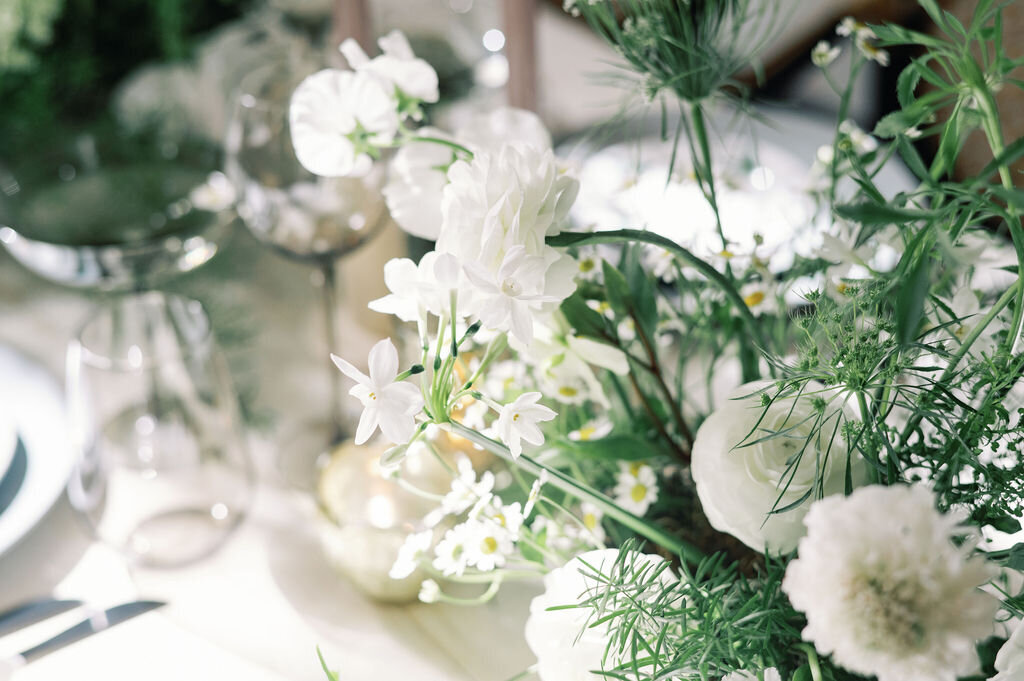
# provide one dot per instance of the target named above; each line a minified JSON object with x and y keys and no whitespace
{"x":328,"y":267}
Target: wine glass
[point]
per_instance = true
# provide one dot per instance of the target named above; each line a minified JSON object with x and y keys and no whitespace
{"x":312,"y":219}
{"x":113,"y":213}
{"x":163,"y":471}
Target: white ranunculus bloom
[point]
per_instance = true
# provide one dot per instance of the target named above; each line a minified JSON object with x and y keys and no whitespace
{"x":515,"y":196}
{"x":886,"y":591}
{"x":336,"y":117}
{"x":1010,"y":659}
{"x":392,"y":405}
{"x":567,"y":649}
{"x":397,"y":66}
{"x":739,"y":486}
{"x":518,"y":421}
{"x":489,"y":130}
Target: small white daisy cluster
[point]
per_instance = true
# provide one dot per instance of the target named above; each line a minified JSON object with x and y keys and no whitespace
{"x":863,"y":37}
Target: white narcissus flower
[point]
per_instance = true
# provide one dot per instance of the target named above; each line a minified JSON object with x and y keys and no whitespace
{"x":636,"y":487}
{"x":1010,"y":658}
{"x":885,"y":590}
{"x":518,"y":421}
{"x":419,"y":289}
{"x":568,"y":644}
{"x":739,"y":485}
{"x":336,"y":117}
{"x":411,"y":553}
{"x":386,"y":403}
{"x":397,"y":67}
{"x":504,"y":299}
{"x":769,"y":674}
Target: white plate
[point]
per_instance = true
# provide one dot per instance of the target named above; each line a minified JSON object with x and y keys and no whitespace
{"x":37,"y":402}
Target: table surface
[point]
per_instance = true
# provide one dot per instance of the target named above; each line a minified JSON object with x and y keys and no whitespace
{"x":258,"y":608}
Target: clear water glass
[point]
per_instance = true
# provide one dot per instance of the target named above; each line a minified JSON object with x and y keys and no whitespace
{"x":163,"y":471}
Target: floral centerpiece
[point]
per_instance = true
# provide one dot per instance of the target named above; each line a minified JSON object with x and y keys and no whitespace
{"x":726,"y":458}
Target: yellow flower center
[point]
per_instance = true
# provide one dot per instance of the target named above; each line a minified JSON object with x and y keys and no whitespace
{"x":639,"y":492}
{"x":634,"y":468}
{"x":499,"y":518}
{"x":841,"y":287}
{"x":726,"y":253}
{"x":568,"y":391}
{"x":515,"y":417}
{"x":587,"y":265}
{"x":372,"y":396}
{"x":587,"y":432}
{"x":589,"y":521}
{"x":754,"y":299}
{"x":510,"y":287}
{"x":489,"y":545}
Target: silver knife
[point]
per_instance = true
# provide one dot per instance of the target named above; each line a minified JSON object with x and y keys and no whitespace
{"x":27,"y":614}
{"x":100,"y":621}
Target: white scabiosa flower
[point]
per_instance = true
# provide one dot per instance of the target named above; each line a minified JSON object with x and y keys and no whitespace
{"x":739,"y":485}
{"x":337,"y":118}
{"x":824,"y":53}
{"x":397,"y":67}
{"x":392,"y":405}
{"x":415,"y":549}
{"x":886,"y":591}
{"x":518,"y":421}
{"x":636,"y":487}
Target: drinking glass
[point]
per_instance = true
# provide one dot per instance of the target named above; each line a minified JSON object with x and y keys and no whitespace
{"x":312,"y":219}
{"x":163,"y":471}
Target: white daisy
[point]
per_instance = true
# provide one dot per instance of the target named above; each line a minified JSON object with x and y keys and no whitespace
{"x":636,"y":487}
{"x":430,"y":591}
{"x":489,"y":545}
{"x":451,"y":554}
{"x":466,"y":490}
{"x":411,"y":553}
{"x":824,"y":53}
{"x":591,"y":517}
{"x":886,"y":591}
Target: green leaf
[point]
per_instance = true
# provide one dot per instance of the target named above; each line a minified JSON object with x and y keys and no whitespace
{"x":530,"y":552}
{"x":644,"y":293}
{"x":613,"y":448}
{"x":894,"y":124}
{"x":587,"y":322}
{"x":1015,"y":560}
{"x":1005,"y":524}
{"x":332,"y":676}
{"x":910,"y":299}
{"x":906,"y":84}
{"x":879,"y":213}
{"x":618,"y":290}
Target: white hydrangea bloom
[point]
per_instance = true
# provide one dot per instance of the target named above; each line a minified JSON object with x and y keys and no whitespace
{"x":335,"y":117}
{"x":885,"y":590}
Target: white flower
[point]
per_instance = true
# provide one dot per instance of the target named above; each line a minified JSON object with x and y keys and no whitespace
{"x":430,"y":591}
{"x":488,"y":131}
{"x":862,"y":142}
{"x":214,"y":195}
{"x":451,"y":555}
{"x":769,"y":674}
{"x":824,"y":53}
{"x":397,"y":67}
{"x":531,"y":499}
{"x":850,"y":26}
{"x":968,"y":314}
{"x":386,"y":403}
{"x":886,"y":591}
{"x":466,"y":490}
{"x":503,"y":300}
{"x":591,"y":430}
{"x":488,"y":546}
{"x":336,"y":118}
{"x":591,"y":517}
{"x":518,"y":421}
{"x":870,"y":50}
{"x":419,"y":289}
{"x":416,"y":179}
{"x":1010,"y":658}
{"x":515,"y":196}
{"x":411,"y":553}
{"x":636,"y":487}
{"x":507,"y":517}
{"x":567,"y":647}
{"x":738,"y":486}
{"x":759,"y":297}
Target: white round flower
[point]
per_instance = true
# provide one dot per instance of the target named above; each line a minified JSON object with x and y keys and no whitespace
{"x":416,"y":180}
{"x":515,"y":196}
{"x":488,"y":131}
{"x":885,"y":590}
{"x":739,"y":486}
{"x":1010,"y":659}
{"x":567,"y":649}
{"x":335,"y":117}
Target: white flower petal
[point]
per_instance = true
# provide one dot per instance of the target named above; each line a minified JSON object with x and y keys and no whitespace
{"x":383,"y":362}
{"x":349,"y":370}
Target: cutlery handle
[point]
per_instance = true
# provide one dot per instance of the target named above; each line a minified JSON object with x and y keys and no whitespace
{"x":66,"y":637}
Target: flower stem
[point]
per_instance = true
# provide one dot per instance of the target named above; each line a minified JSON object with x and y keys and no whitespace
{"x":582,"y":491}
{"x":443,"y":142}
